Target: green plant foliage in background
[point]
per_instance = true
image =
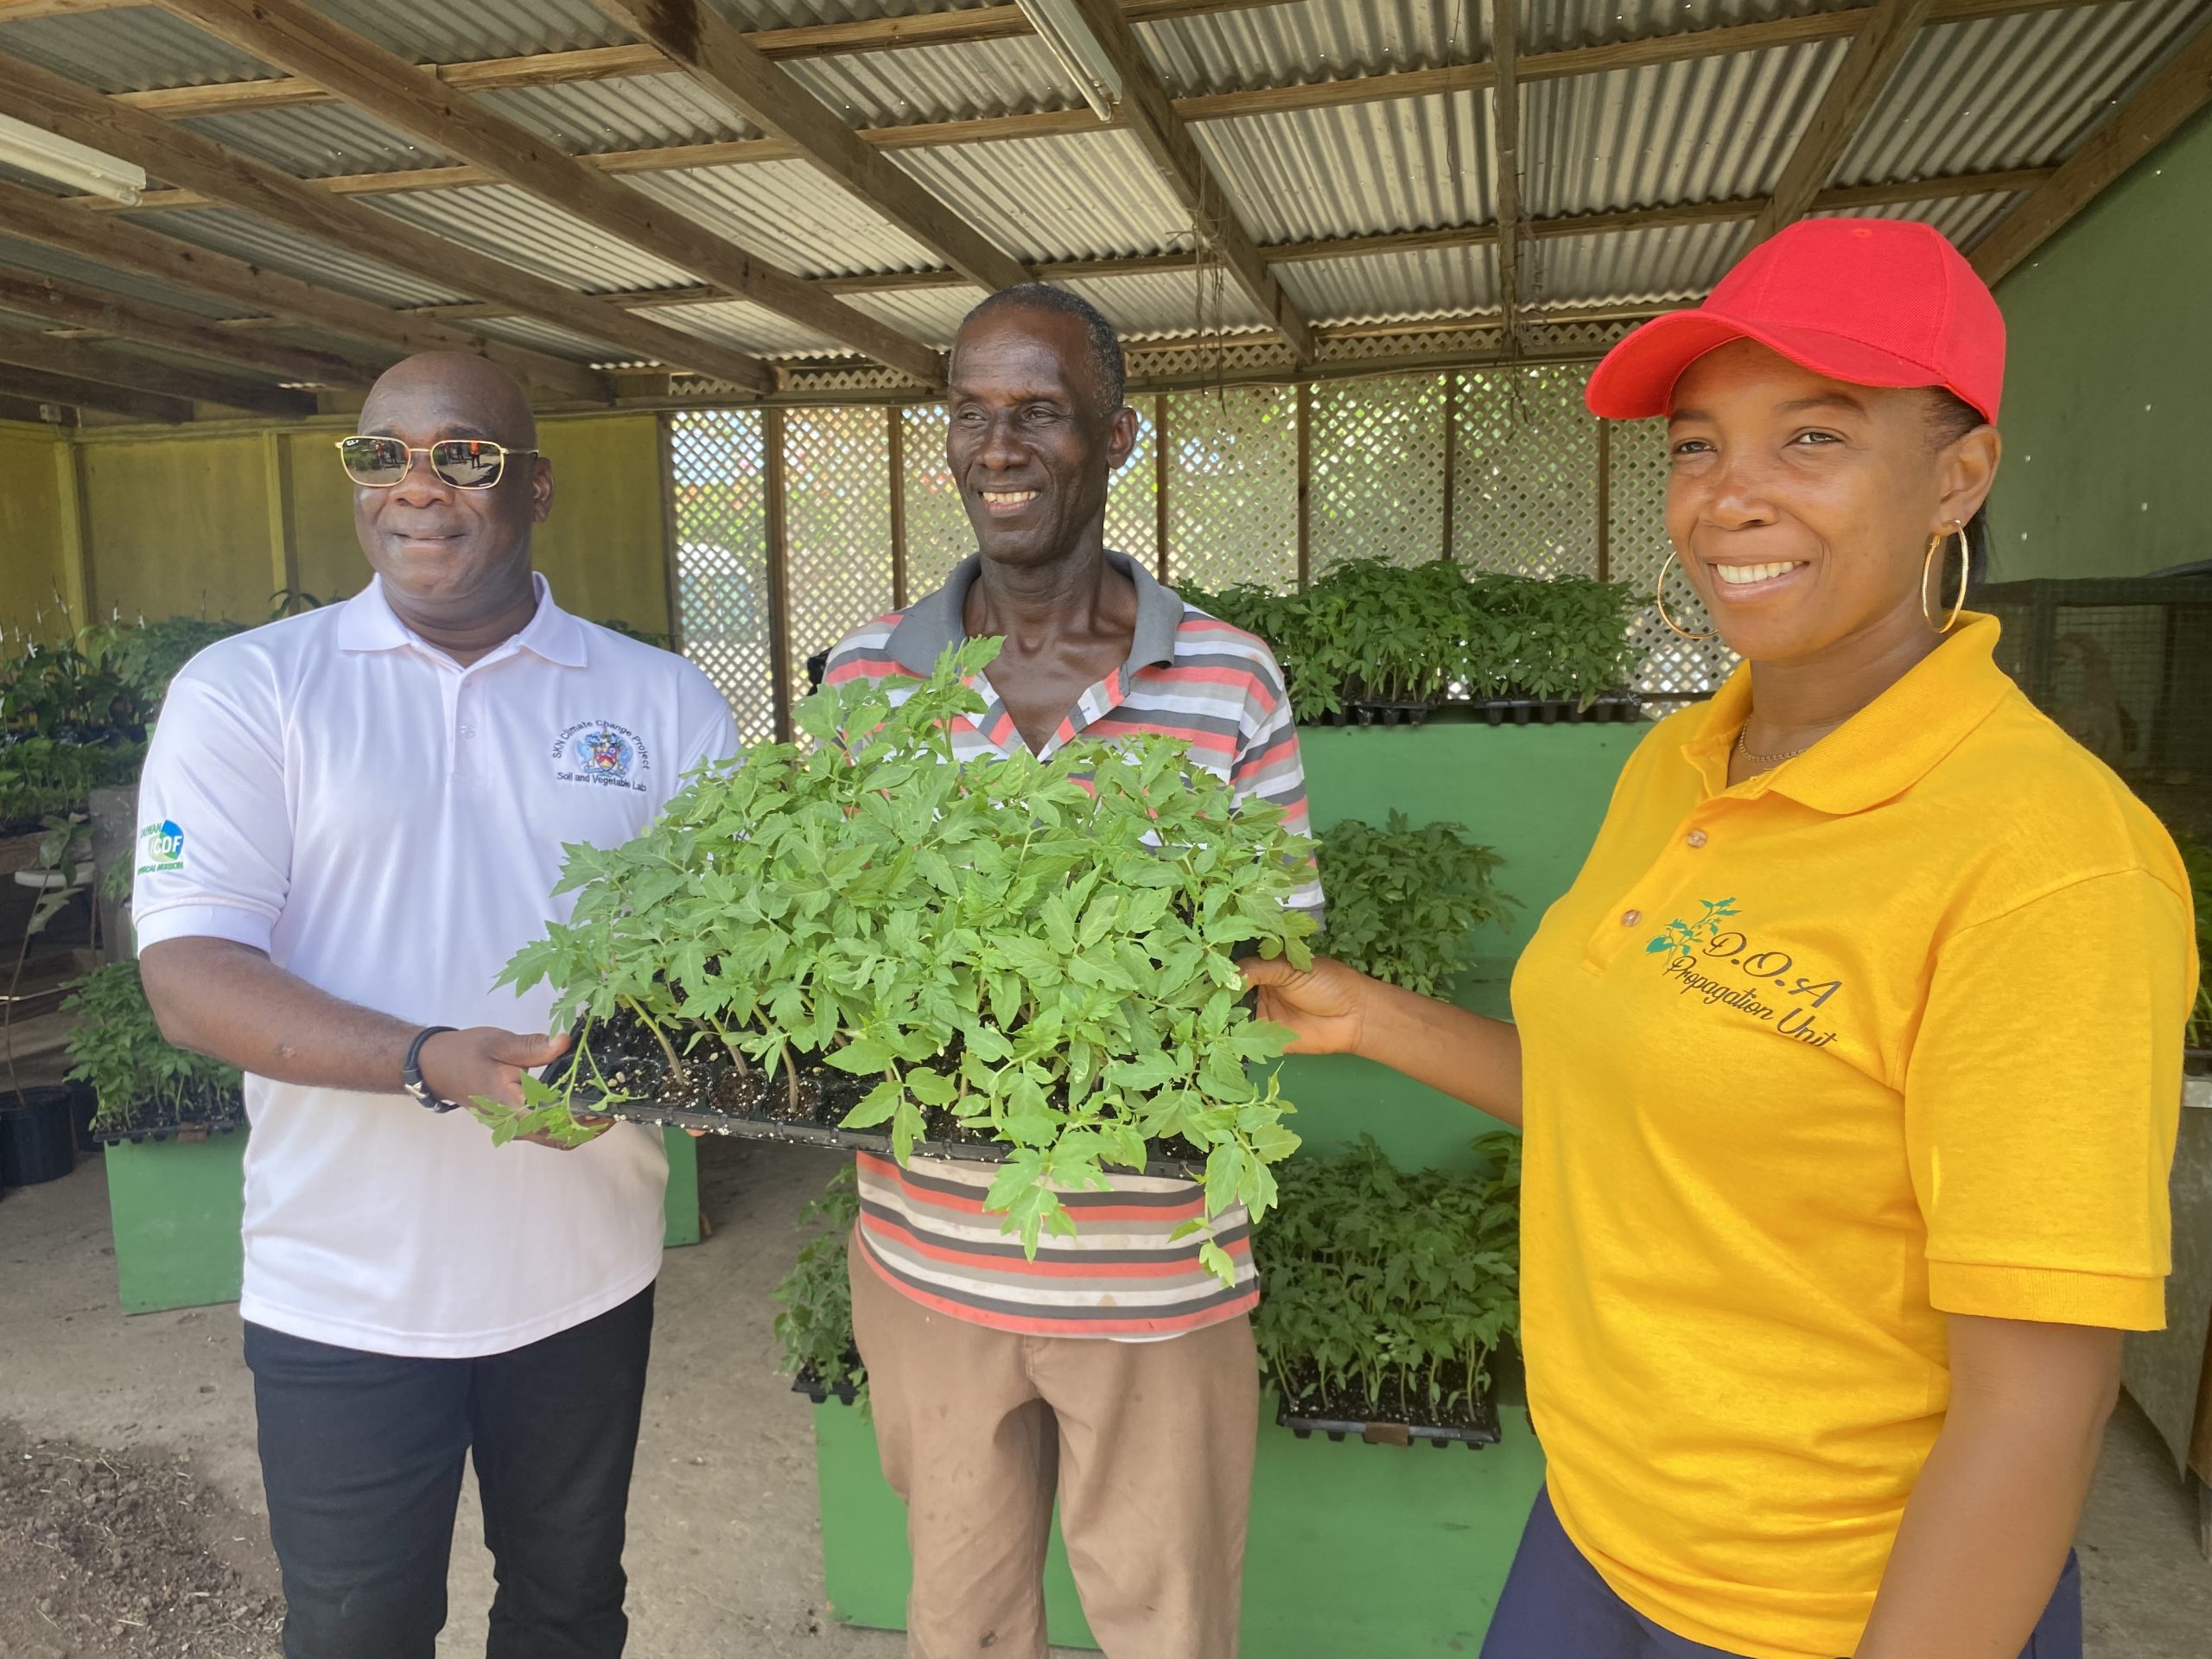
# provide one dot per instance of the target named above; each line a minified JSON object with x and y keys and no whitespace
{"x":644,"y":636}
{"x":2197,"y":856}
{"x":1372,"y":632}
{"x":141,"y":1080}
{"x":814,"y":1303}
{"x":1373,"y":1276}
{"x":1041,"y":949}
{"x":1404,"y":902}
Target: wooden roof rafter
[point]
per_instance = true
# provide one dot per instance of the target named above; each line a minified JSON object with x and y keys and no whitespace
{"x":382,"y":84}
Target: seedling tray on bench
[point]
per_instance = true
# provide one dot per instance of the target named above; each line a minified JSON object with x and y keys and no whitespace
{"x":215,"y":1113}
{"x":1494,"y":711}
{"x":1304,"y":1421}
{"x":819,"y":1127}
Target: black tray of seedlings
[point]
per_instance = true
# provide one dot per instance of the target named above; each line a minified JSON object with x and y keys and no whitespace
{"x":801,"y":1104}
{"x":1494,"y":711}
{"x":1392,"y":1420}
{"x":809,"y":1383}
{"x":2197,"y":1062}
{"x":196,"y":1119}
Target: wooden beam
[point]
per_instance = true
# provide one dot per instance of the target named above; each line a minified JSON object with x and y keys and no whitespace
{"x":380,"y":84}
{"x":38,"y":217}
{"x":46,"y":388}
{"x":76,"y":112}
{"x":1505,"y":154}
{"x":16,"y":12}
{"x":178,"y":331}
{"x":1877,"y":50}
{"x":2144,"y":123}
{"x":734,"y":72}
{"x":1145,"y":105}
{"x":85,"y":361}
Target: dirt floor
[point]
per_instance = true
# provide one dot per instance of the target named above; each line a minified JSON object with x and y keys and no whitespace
{"x":130,"y":1498}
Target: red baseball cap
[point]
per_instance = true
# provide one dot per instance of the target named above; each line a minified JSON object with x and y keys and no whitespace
{"x":1873,"y":302}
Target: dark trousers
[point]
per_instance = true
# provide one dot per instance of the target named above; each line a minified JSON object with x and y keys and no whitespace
{"x":1556,"y":1605}
{"x":362,"y":1455}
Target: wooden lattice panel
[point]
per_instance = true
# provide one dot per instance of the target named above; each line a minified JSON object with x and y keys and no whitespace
{"x":1377,"y":470}
{"x":1669,"y":665}
{"x":717,"y":470}
{"x":938,"y":535}
{"x":837,"y":508}
{"x":1132,"y":497}
{"x":1524,"y":497}
{"x":1232,"y":488}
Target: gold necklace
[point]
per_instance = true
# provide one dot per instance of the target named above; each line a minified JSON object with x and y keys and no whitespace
{"x":1752,"y":754}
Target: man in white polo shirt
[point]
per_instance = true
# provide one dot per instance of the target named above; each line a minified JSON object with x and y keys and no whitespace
{"x":352,"y":819}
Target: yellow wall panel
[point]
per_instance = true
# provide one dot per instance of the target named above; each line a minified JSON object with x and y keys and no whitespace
{"x":178,"y":525}
{"x":605,"y":548}
{"x":331,"y":564}
{"x":32,"y":568}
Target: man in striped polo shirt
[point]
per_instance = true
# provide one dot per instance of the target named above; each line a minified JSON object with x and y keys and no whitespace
{"x":1114,"y":1368}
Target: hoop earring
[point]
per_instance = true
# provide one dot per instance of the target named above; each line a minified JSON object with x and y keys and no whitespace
{"x":1659,"y":594}
{"x":1927,"y":568}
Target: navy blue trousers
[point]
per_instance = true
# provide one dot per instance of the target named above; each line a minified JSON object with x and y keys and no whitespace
{"x":1557,"y":1606}
{"x":362,"y":1454}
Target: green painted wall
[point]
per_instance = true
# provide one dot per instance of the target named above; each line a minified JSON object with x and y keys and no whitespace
{"x":2110,"y":350}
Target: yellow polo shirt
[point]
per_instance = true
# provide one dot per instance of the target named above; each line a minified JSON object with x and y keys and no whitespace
{"x":1889,"y":1032}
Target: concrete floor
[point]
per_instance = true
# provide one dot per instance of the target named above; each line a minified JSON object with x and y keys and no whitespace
{"x":724,"y":1555}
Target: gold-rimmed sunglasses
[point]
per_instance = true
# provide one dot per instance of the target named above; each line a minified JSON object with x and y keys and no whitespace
{"x":465,"y":463}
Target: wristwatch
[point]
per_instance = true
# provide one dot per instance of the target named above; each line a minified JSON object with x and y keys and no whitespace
{"x":410,"y":1075}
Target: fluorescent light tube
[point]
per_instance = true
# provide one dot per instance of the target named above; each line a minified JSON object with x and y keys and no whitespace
{"x":1067,"y":35}
{"x":34,"y":150}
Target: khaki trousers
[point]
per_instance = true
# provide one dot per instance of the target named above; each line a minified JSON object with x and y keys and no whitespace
{"x":1148,"y":1445}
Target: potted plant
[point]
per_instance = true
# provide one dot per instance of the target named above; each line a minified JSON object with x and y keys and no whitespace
{"x":1386,"y":1294}
{"x":814,"y":1302}
{"x":1404,"y":902}
{"x":147,"y":1089}
{"x":855,"y":940}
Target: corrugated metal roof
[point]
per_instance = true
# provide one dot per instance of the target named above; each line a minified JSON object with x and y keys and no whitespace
{"x":1320,"y":40}
{"x":2000,"y":93}
{"x":789,"y":214}
{"x":42,"y":261}
{"x":1705,"y":130}
{"x":128,"y":50}
{"x":747,"y":326}
{"x":1359,"y":169}
{"x":641,"y":113}
{"x":544,"y":336}
{"x":317,"y":140}
{"x":1652,"y":266}
{"x":243,"y":237}
{"x":1169,"y":304}
{"x":938,"y":83}
{"x":2013,"y":91}
{"x":1559,"y":25}
{"x":438,"y":31}
{"x":1082,"y":196}
{"x":516,"y":226}
{"x":1384,"y":287}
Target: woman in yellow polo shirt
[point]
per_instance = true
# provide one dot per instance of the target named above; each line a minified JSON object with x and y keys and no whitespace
{"x":1850,"y":1064}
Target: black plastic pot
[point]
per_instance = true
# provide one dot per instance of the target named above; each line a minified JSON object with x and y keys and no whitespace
{"x":1382,"y":1432}
{"x":36,"y":1143}
{"x":809,"y":1383}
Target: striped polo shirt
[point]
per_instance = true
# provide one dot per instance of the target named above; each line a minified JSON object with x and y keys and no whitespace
{"x":925,"y":1228}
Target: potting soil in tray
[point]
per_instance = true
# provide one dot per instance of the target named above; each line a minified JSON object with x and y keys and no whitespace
{"x":800,"y":1105}
{"x":1494,"y":711}
{"x":1395,"y":1419}
{"x":196,"y":1119}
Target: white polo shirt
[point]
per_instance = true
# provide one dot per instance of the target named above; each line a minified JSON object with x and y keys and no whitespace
{"x":388,"y":825}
